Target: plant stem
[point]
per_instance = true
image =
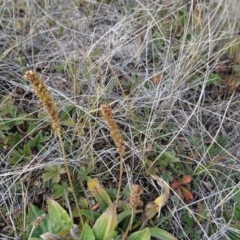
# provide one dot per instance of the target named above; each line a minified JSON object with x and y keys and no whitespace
{"x":69,"y":176}
{"x":119,"y":181}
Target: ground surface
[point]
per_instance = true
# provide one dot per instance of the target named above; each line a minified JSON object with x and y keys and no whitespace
{"x":169,"y":70}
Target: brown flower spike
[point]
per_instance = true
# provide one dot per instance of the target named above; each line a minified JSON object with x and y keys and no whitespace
{"x":118,"y":140}
{"x":113,"y":128}
{"x":134,"y":199}
{"x":44,"y":96}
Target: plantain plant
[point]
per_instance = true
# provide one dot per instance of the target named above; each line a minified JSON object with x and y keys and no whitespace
{"x":106,"y":225}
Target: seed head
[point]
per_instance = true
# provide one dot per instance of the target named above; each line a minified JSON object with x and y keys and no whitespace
{"x":44,"y":95}
{"x":134,"y":199}
{"x":113,"y":128}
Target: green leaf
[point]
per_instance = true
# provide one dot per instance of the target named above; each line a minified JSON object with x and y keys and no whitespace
{"x":3,"y":136}
{"x":33,"y":214}
{"x":7,"y":105}
{"x":236,"y":68}
{"x":234,"y":49}
{"x":65,"y":114}
{"x":69,"y":123}
{"x":58,"y":191}
{"x":14,"y":113}
{"x":59,"y":219}
{"x":58,"y":67}
{"x":93,"y":216}
{"x":38,"y":139}
{"x":213,"y":78}
{"x":236,"y":195}
{"x":87,"y":233}
{"x":6,"y":124}
{"x":17,"y":156}
{"x":43,"y":115}
{"x":31,"y":127}
{"x":43,"y":139}
{"x":105,"y":225}
{"x":95,"y":52}
{"x":140,"y":235}
{"x":99,"y":193}
{"x":26,"y":150}
{"x":83,"y":202}
{"x":121,"y":216}
{"x":40,"y":147}
{"x":237,"y":211}
{"x":161,"y":234}
{"x":170,"y":157}
{"x":233,"y":235}
{"x":53,"y":173}
{"x":15,"y":138}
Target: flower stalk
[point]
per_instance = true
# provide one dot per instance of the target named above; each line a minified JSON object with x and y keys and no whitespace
{"x":45,"y":97}
{"x":118,"y":140}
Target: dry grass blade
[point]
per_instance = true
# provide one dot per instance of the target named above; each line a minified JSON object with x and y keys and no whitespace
{"x":172,"y":69}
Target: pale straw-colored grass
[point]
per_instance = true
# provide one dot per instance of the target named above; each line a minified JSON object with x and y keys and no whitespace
{"x":98,"y":53}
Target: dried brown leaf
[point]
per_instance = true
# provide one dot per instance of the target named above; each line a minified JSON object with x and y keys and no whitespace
{"x":175,"y":184}
{"x":179,"y":192}
{"x":156,"y":79}
{"x":186,"y":179}
{"x":196,"y":17}
{"x":186,"y":193}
